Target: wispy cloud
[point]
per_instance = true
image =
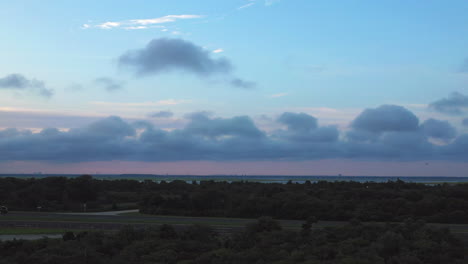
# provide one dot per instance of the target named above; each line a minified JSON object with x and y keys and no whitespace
{"x":133,"y":24}
{"x":110,"y":84}
{"x":246,"y":5}
{"x":278,"y":95}
{"x":218,"y":50}
{"x":140,"y":104}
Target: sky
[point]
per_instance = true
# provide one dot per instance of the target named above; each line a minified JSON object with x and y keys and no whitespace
{"x":265,"y":87}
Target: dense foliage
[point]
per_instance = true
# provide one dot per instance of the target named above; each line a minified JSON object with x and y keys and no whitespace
{"x":261,"y":242}
{"x":66,"y":194}
{"x":391,"y":201}
{"x":370,"y":201}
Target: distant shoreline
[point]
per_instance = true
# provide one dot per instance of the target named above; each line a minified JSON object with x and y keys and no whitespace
{"x":258,"y":178}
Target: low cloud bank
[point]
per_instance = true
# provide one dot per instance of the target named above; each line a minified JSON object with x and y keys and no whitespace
{"x":387,"y":132}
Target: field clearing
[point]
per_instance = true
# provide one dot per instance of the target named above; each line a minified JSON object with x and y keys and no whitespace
{"x":34,"y":231}
{"x":54,"y":223}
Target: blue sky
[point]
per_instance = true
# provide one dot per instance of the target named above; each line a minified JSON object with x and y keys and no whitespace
{"x":71,"y":65}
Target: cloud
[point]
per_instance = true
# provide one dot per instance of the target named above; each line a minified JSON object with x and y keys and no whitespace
{"x":202,"y":124}
{"x":386,"y":118}
{"x":246,"y":5}
{"x":236,"y":82}
{"x":18,"y":81}
{"x":205,"y":137}
{"x":455,"y":104}
{"x":165,"y":55}
{"x":298,"y":122}
{"x":218,"y":50}
{"x":141,"y":104}
{"x":302,"y":127}
{"x":438,"y":129}
{"x":161,"y":114}
{"x":109,"y":84}
{"x":36,"y":119}
{"x":14,"y":81}
{"x":141,"y":23}
{"x":278,"y":95}
{"x":112,"y":126}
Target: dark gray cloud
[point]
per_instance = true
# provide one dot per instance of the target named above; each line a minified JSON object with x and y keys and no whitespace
{"x":18,"y":81}
{"x":386,"y":118}
{"x":112,"y":126}
{"x":362,"y":136}
{"x":302,"y":127}
{"x":236,"y":82}
{"x":161,"y":114}
{"x":298,"y":121}
{"x":164,"y":55}
{"x":465,"y":122}
{"x":236,"y":138}
{"x":109,"y":84}
{"x":201,"y":124}
{"x":168,"y":55}
{"x":455,"y":104}
{"x":438,"y":129}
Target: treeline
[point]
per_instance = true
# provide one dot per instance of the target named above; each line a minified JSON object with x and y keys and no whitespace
{"x":68,"y":194}
{"x":261,"y":242}
{"x":342,"y":201}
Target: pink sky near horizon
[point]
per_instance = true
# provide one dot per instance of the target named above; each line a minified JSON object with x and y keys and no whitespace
{"x":315,"y":167}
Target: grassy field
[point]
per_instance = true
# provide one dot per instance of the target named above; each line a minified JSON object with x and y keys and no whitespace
{"x":33,"y":231}
{"x":138,"y":218}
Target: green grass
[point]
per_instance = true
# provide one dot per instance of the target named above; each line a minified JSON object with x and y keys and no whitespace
{"x":138,"y":218}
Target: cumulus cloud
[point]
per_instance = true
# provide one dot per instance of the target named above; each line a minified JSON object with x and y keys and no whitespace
{"x":18,"y":81}
{"x":163,"y":55}
{"x":168,"y":55}
{"x":386,"y":118}
{"x":438,"y":129}
{"x":109,"y":84}
{"x":302,"y":127}
{"x":202,"y":124}
{"x":236,"y":138}
{"x":298,"y":122}
{"x":112,"y":126}
{"x":140,"y":23}
{"x":161,"y":114}
{"x":455,"y":104}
